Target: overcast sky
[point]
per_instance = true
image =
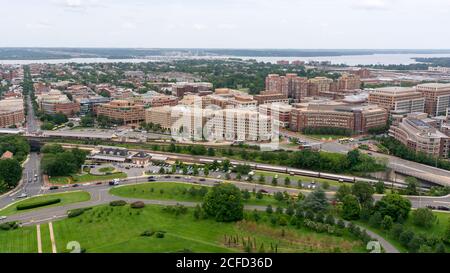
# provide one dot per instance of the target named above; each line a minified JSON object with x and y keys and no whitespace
{"x":226,"y":23}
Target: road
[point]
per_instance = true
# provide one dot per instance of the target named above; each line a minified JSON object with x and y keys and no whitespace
{"x":32,"y":123}
{"x":31,"y":188}
{"x":100,"y":195}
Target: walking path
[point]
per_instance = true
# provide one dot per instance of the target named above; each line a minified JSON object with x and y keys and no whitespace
{"x":38,"y":234}
{"x":52,"y":236}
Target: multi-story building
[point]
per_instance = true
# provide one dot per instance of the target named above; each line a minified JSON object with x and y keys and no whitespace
{"x":40,"y":88}
{"x":346,"y":82}
{"x":179,"y":89}
{"x":278,"y":112}
{"x":89,"y":105}
{"x":398,"y":99}
{"x":55,"y":102}
{"x":437,"y":97}
{"x":420,"y":136}
{"x":11,"y":112}
{"x":160,"y":115}
{"x":290,"y":85}
{"x":318,"y":85}
{"x":355,"y":118}
{"x":239,"y":125}
{"x":270,"y":97}
{"x":125,"y":111}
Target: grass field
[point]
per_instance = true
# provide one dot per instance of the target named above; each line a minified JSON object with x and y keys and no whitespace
{"x":177,"y":191}
{"x":84,"y":178}
{"x":437,"y":229}
{"x":106,"y":170}
{"x":117,"y":229}
{"x":66,"y":198}
{"x":21,"y":240}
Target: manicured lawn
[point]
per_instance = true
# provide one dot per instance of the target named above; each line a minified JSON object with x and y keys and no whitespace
{"x":66,"y":198}
{"x":84,"y":178}
{"x":21,"y":240}
{"x":45,"y":239}
{"x":117,"y":229}
{"x":90,"y":177}
{"x":106,"y":170}
{"x":176,"y":191}
{"x":60,"y":180}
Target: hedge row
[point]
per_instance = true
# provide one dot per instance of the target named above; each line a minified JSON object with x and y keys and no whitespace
{"x":77,"y":212}
{"x":117,"y":203}
{"x":32,"y":205}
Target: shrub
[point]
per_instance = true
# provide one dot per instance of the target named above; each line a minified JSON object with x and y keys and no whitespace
{"x":137,"y":205}
{"x":177,"y":209}
{"x":118,"y":203}
{"x":36,"y":204}
{"x":160,"y":234}
{"x":9,"y":225}
{"x":77,"y":212}
{"x":147,"y":233}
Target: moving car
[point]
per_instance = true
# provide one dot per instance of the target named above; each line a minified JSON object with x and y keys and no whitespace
{"x":2,"y":217}
{"x":75,"y":185}
{"x":23,"y":195}
{"x":114,"y":182}
{"x":53,"y":188}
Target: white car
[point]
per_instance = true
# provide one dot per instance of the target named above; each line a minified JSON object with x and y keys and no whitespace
{"x":2,"y":217}
{"x":23,"y":195}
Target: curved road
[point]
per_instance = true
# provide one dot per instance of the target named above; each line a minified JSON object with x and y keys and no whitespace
{"x":100,"y":195}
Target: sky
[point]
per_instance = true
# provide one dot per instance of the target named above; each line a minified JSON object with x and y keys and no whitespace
{"x":299,"y":24}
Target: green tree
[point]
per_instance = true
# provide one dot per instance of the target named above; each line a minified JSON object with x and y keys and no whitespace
{"x":224,"y":203}
{"x":363,"y":191}
{"x":343,"y":191}
{"x":315,"y":201}
{"x":274,"y":181}
{"x":287,"y":181}
{"x":379,"y":187}
{"x":423,"y":217}
{"x":412,"y":184}
{"x":393,"y":205}
{"x":350,"y":208}
{"x":387,"y":222}
{"x":10,"y":172}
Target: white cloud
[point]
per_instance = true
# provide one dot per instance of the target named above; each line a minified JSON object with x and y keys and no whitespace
{"x":372,"y":5}
{"x":198,"y":26}
{"x":39,"y":25}
{"x":129,"y":25}
{"x":227,"y":26}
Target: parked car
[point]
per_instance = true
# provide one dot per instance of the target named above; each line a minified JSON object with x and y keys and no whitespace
{"x":3,"y":217}
{"x":202,"y":179}
{"x":151,"y":179}
{"x":53,"y":188}
{"x":98,"y":183}
{"x":263,"y":191}
{"x":75,"y":185}
{"x":167,"y":176}
{"x":443,"y":208}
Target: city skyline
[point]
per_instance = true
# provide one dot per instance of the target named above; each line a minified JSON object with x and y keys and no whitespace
{"x":286,"y":24}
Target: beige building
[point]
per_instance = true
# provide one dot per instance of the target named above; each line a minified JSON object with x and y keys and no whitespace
{"x":355,"y":118}
{"x":398,"y":99}
{"x":125,"y":111}
{"x":420,"y":136}
{"x":55,"y":102}
{"x":11,"y":112}
{"x":318,"y":85}
{"x":437,"y":97}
